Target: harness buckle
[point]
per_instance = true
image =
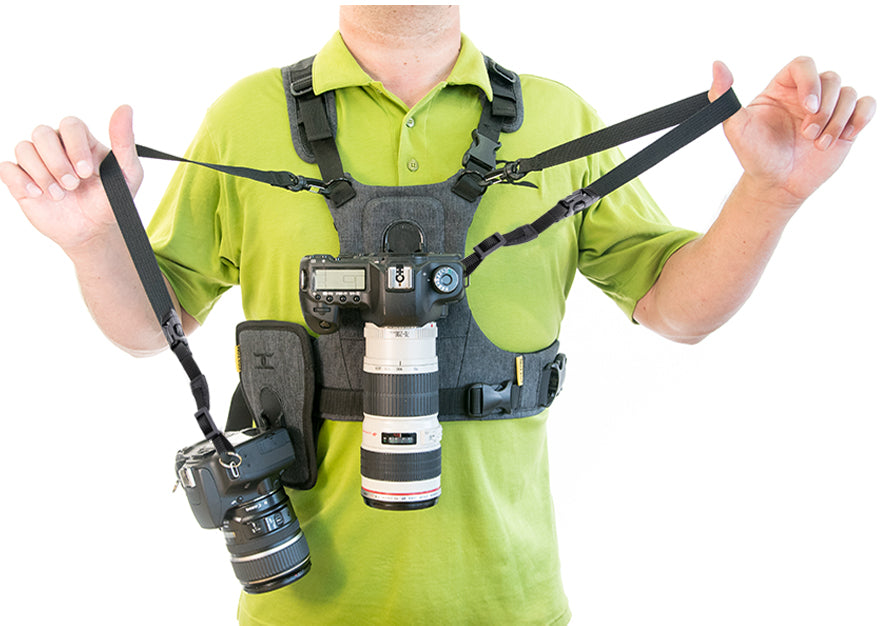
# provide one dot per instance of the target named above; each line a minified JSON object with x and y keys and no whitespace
{"x":482,"y":400}
{"x":576,"y":202}
{"x":173,"y":330}
{"x":481,"y":156}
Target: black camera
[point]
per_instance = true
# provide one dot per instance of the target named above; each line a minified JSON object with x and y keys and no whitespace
{"x":245,"y":498}
{"x":389,"y":290}
{"x":400,"y":297}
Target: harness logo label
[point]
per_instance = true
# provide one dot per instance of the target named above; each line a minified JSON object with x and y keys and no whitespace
{"x":264,"y":360}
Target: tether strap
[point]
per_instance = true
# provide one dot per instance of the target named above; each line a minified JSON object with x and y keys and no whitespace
{"x":285,"y":180}
{"x":694,"y":117}
{"x":155,"y":287}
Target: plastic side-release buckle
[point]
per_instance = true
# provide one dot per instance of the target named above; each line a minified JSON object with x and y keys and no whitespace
{"x":577,"y":201}
{"x":483,"y":400}
{"x":556,"y":371}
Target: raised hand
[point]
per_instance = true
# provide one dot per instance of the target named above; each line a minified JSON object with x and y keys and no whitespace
{"x":797,"y":132}
{"x":56,"y":183}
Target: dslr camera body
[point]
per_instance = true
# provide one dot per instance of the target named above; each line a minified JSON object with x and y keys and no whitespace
{"x":245,"y":498}
{"x":400,"y":296}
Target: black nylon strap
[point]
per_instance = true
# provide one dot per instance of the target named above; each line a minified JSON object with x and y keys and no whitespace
{"x":135,"y":238}
{"x":321,"y":138}
{"x":694,"y":117}
{"x":285,"y":180}
{"x":480,"y":159}
{"x":154,"y":284}
{"x":614,"y":135}
{"x":694,"y":127}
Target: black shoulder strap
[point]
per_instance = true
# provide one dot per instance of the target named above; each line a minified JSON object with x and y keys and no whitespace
{"x":155,"y":287}
{"x":503,"y":113}
{"x":313,"y":127}
{"x":312,"y":118}
{"x":692,"y":118}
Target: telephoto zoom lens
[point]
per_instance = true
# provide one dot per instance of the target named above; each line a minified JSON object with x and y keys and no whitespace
{"x":268,"y":549}
{"x":400,"y":452}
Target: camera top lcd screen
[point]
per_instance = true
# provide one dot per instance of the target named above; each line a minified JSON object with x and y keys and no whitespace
{"x":340,"y":279}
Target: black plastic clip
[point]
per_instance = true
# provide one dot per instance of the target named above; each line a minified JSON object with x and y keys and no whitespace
{"x":557,"y":370}
{"x":488,"y":245}
{"x":483,"y":400}
{"x":577,"y":201}
{"x":173,"y":330}
{"x":481,"y":156}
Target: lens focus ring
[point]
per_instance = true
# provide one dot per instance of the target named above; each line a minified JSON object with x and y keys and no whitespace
{"x":402,"y":467}
{"x":273,"y":565}
{"x":399,"y":395}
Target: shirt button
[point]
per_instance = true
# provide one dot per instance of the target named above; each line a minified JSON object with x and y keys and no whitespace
{"x":412,"y":165}
{"x":410,"y":122}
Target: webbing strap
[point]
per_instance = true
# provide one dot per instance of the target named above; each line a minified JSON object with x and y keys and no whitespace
{"x":692,"y":118}
{"x":320,"y":134}
{"x":504,"y":110}
{"x":283,"y":179}
{"x":155,"y":287}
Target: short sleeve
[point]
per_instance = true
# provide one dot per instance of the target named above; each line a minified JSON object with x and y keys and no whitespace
{"x":191,"y":231}
{"x":625,"y":241}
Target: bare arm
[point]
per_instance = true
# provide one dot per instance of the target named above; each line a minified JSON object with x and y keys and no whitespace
{"x":790,"y":140}
{"x":56,"y":183}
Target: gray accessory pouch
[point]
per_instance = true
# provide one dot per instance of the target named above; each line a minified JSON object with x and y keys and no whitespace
{"x":276,"y":365}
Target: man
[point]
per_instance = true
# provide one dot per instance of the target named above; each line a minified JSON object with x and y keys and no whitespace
{"x":789,"y":140}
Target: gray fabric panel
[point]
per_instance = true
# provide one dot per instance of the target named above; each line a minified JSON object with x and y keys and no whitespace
{"x":277,"y":356}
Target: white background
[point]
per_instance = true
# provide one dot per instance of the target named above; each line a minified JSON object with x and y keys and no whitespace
{"x":741,"y":481}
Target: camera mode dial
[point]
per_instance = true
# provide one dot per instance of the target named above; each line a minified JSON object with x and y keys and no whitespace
{"x":445,"y":279}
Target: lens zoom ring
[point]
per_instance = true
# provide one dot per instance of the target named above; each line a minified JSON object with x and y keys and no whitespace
{"x":401,"y":395}
{"x":279,"y":562}
{"x":400,"y":467}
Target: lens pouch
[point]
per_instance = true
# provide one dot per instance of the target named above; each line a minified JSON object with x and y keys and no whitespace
{"x":276,"y":365}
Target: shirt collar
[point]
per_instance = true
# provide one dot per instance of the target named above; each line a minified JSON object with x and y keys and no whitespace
{"x":335,"y":67}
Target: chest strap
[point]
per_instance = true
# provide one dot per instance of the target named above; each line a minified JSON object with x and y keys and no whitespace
{"x":313,"y":126}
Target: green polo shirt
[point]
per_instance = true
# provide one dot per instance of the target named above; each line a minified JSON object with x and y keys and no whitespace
{"x":487,"y":552}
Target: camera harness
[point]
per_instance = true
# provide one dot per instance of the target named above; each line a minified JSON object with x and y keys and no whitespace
{"x":443,"y":211}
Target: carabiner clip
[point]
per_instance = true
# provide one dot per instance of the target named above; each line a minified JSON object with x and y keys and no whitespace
{"x":312,"y":185}
{"x":508,"y":173}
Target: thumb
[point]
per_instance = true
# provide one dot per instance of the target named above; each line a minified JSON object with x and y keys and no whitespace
{"x":722,"y":80}
{"x":124,"y":146}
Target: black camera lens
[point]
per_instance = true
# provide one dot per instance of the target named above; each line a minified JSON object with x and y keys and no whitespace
{"x":268,"y":549}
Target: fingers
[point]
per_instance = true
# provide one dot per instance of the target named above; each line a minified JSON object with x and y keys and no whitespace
{"x":53,"y":162}
{"x":862,"y":115}
{"x":832,"y":111}
{"x":801,"y":74}
{"x":20,"y":185}
{"x":821,"y":125}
